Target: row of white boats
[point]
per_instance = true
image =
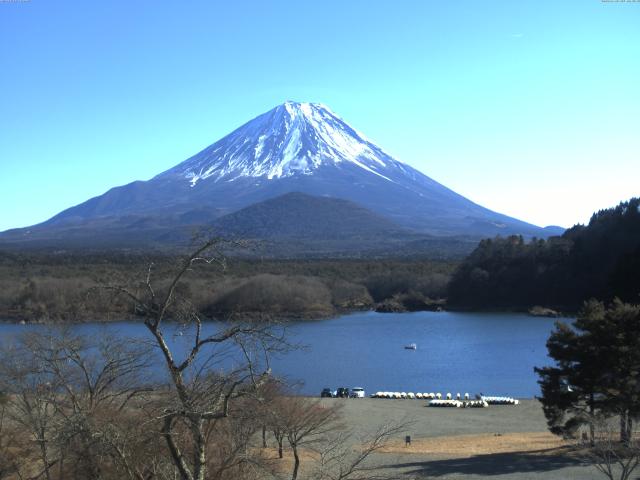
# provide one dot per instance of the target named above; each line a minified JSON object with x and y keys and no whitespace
{"x":459,"y":404}
{"x":459,"y":401}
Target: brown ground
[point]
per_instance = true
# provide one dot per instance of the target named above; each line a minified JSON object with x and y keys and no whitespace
{"x":464,"y":446}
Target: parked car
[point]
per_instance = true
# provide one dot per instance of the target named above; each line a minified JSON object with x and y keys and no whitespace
{"x":357,"y":392}
{"x":342,"y":392}
{"x":327,"y":393}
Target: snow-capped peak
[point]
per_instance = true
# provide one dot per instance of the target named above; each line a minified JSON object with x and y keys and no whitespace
{"x":291,"y":139}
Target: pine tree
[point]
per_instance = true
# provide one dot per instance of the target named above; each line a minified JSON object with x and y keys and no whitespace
{"x":597,"y":369}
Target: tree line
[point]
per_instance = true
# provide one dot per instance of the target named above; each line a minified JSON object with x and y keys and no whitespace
{"x":61,"y":287}
{"x":600,"y":260}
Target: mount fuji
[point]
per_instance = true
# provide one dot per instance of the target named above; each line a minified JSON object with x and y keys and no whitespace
{"x":295,"y":147}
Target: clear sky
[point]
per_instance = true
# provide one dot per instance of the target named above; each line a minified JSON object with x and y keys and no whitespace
{"x":530,"y":108}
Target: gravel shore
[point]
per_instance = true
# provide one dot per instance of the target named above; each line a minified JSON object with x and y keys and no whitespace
{"x":499,"y":442}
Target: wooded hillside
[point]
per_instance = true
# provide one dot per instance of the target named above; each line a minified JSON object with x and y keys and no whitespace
{"x":600,"y":260}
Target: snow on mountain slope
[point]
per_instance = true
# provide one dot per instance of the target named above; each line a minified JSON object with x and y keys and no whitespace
{"x":292,"y":139}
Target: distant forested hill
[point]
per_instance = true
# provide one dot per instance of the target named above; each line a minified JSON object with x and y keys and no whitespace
{"x":600,"y":260}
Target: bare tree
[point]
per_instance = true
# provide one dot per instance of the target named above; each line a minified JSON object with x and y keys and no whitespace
{"x":341,"y":459}
{"x":268,"y":412}
{"x":30,"y":402}
{"x":70,"y":394}
{"x":612,"y":456}
{"x":11,"y":449}
{"x":276,"y":420}
{"x":98,"y":380}
{"x":305,"y":423}
{"x":315,"y":427}
{"x":202,"y":387}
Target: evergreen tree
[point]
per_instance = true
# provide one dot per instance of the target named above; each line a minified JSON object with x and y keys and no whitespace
{"x":597,"y":369}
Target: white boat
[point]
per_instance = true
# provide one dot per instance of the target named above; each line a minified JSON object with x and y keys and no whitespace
{"x":411,"y":346}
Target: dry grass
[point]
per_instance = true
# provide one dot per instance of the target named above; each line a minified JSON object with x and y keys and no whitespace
{"x":269,"y":456}
{"x":464,"y":446}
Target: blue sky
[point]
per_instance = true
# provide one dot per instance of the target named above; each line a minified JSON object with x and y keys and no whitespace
{"x":530,"y":108}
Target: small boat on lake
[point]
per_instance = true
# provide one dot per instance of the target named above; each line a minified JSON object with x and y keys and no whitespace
{"x":411,"y":346}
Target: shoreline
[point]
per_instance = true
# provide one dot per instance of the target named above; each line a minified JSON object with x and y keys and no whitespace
{"x":288,"y":317}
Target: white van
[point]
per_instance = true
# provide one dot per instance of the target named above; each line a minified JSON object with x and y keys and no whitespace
{"x":357,"y":392}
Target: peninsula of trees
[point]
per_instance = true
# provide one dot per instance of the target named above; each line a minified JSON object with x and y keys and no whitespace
{"x":600,"y":260}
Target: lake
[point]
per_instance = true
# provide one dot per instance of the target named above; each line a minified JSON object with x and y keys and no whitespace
{"x":492,"y":353}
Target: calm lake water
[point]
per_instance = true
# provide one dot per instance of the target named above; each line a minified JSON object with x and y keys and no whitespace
{"x":492,"y":353}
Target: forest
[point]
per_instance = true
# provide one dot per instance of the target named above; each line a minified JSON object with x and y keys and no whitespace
{"x":600,"y":260}
{"x":66,"y":287}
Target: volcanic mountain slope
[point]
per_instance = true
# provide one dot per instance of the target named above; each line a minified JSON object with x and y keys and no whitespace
{"x":297,"y":215}
{"x":295,"y":147}
{"x":300,"y":225}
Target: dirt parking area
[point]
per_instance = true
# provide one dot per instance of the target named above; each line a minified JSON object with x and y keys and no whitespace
{"x":500,"y":442}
